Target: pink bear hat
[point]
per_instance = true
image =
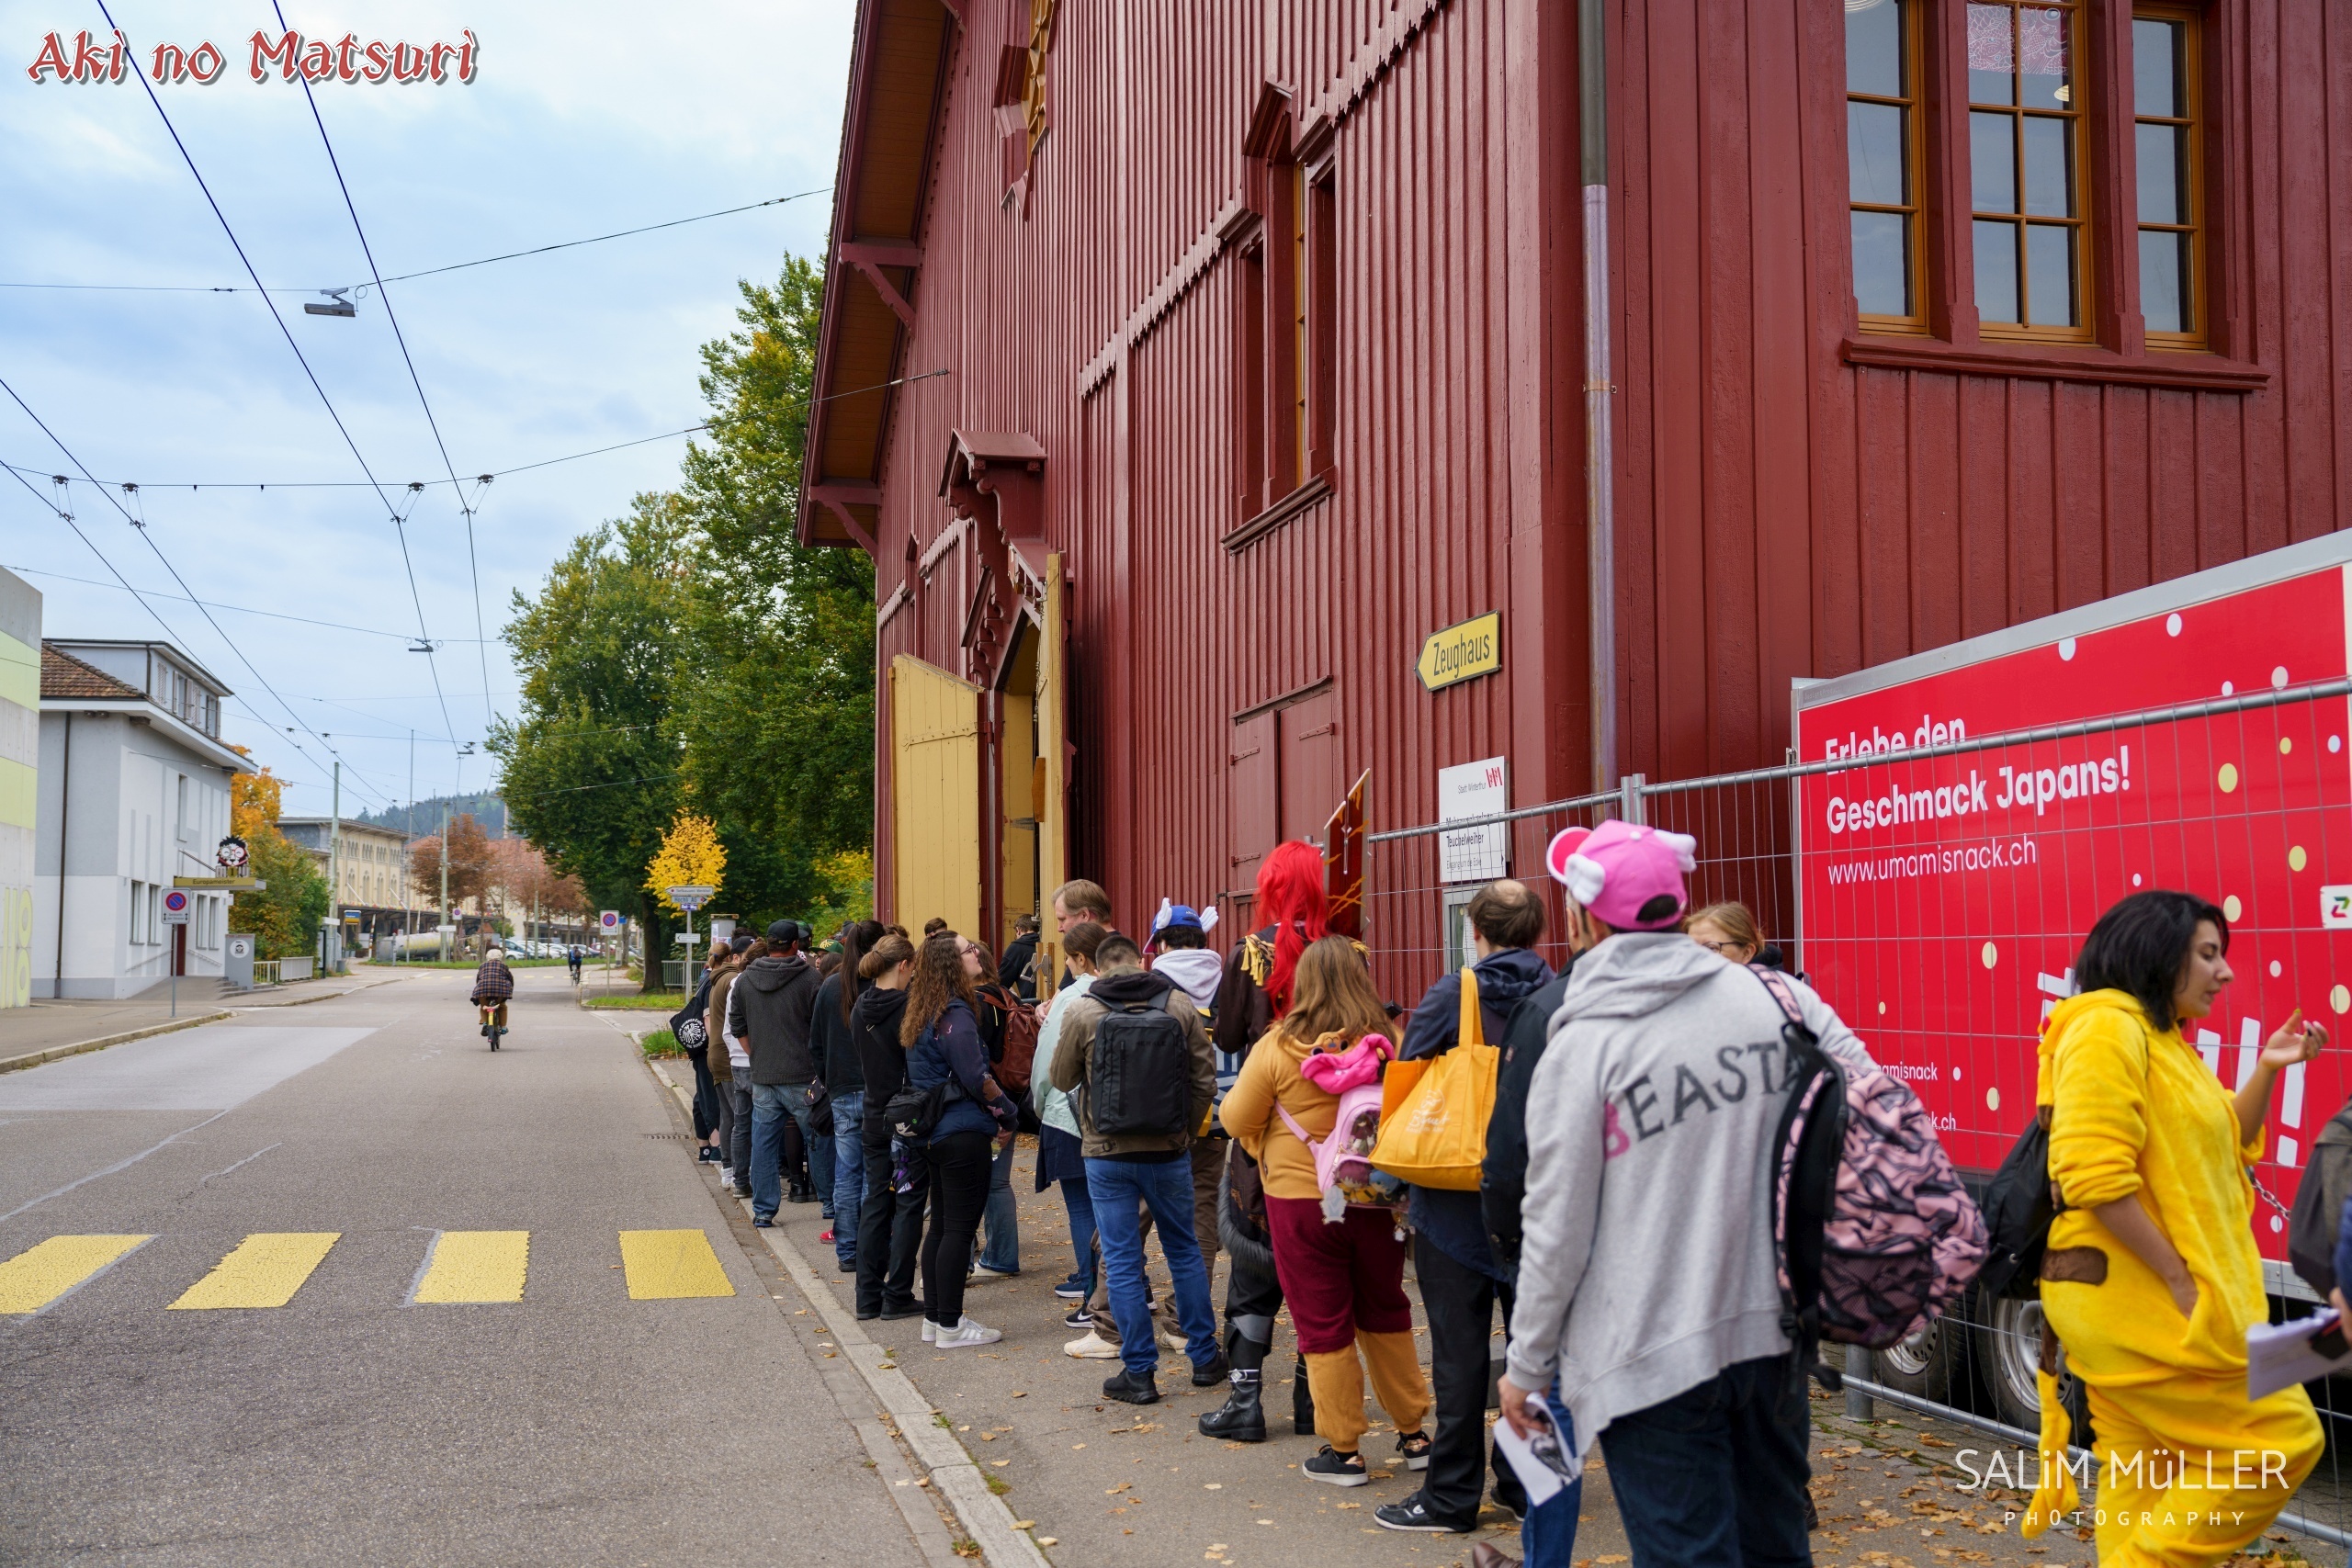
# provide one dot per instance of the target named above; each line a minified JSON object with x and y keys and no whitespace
{"x":1613,"y":870}
{"x":1336,"y":1072}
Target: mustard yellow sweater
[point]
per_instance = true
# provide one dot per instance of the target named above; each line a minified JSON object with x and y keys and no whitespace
{"x":2136,"y":1111}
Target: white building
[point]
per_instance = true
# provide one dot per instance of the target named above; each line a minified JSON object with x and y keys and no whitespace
{"x":133,"y":792}
{"x":20,"y":795}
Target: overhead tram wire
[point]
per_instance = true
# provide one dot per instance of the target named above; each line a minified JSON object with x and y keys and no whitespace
{"x":217,"y":605}
{"x":430,"y":271}
{"x":466,"y":506}
{"x":172,"y":632}
{"x":400,"y":527}
{"x":501,"y":473}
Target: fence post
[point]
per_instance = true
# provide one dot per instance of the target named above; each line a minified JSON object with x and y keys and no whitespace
{"x":1860,"y":1406}
{"x":1630,"y":798}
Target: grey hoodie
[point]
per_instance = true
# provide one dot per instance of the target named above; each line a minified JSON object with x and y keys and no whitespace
{"x":1196,"y":969}
{"x":1647,"y":1263}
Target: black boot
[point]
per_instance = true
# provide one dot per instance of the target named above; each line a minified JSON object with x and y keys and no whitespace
{"x":1302,"y":1403}
{"x":1243,"y":1417}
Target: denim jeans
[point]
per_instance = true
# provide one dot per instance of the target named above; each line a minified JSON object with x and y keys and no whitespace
{"x":1549,"y":1536}
{"x":849,"y":1173}
{"x":1715,"y":1476}
{"x":1001,"y":1218}
{"x":1081,"y":1232}
{"x":1165,"y":1187}
{"x":771,"y":1106}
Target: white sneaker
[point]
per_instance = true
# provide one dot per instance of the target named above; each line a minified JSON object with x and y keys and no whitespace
{"x":930,"y":1332}
{"x":726,"y":1177}
{"x":982,"y":1273}
{"x":1091,"y":1346}
{"x":970,"y":1331}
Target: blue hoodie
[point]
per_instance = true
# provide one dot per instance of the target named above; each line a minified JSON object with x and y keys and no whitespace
{"x":1454,"y":1221}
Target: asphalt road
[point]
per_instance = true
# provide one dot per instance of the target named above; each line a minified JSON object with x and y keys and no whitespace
{"x":647,"y":1400}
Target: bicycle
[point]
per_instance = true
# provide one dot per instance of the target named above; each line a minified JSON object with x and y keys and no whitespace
{"x":493,"y":1022}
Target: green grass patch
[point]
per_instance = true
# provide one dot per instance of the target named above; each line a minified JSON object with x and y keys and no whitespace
{"x":634,"y":1001}
{"x":661,"y":1043}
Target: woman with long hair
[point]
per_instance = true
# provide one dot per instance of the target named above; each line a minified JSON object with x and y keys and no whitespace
{"x":889,"y":1224}
{"x":1344,"y":1281}
{"x":1001,"y":1221}
{"x":832,"y":1042}
{"x":942,"y":1035}
{"x":2151,"y":1278}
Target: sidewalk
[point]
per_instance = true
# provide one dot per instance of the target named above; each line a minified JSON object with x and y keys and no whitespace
{"x":1093,"y":1481}
{"x":47,"y":1030}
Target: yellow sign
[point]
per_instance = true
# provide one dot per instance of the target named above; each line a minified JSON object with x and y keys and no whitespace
{"x":240,"y":883}
{"x":1462,"y":652}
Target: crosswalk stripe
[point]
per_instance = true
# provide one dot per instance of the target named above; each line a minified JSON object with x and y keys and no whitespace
{"x":476,"y":1265}
{"x":40,"y":1274}
{"x":264,"y":1270}
{"x":667,"y":1264}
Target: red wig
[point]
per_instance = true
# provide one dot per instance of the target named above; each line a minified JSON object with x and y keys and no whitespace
{"x":1291,"y":896}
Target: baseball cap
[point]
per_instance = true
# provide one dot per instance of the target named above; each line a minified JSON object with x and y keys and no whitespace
{"x":785,"y":931}
{"x":1617,"y":868}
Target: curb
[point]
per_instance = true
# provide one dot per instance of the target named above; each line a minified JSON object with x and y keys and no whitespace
{"x":58,"y":1052}
{"x":954,"y":1472}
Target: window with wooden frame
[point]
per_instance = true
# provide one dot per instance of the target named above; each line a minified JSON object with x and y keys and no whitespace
{"x":2166,"y":129}
{"x":2026,"y":207}
{"x":1286,"y":336}
{"x":1883,"y":157}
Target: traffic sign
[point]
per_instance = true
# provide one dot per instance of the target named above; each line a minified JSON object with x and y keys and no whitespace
{"x":610,"y":921}
{"x":689,"y":898}
{"x":175,"y":907}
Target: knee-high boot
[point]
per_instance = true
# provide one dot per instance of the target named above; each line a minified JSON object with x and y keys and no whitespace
{"x":1243,"y":1417}
{"x":1302,"y":1402}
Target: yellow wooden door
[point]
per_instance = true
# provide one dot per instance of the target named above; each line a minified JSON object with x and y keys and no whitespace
{"x":1051,"y":790}
{"x":934,"y":795}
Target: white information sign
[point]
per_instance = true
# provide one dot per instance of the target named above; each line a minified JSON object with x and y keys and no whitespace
{"x":1473,"y":790}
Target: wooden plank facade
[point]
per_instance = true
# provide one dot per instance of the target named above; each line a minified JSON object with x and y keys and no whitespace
{"x":1185,"y":364}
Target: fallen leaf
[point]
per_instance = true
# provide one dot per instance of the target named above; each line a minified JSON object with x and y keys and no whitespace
{"x":1023,"y":1524}
{"x":1122,"y":1486}
{"x":999,"y":1463}
{"x":1211,"y":1486}
{"x":1047,"y":1540}
{"x":984,"y":1436}
{"x":1019,"y":1393}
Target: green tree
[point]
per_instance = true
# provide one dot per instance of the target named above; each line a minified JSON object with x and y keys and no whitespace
{"x":778,"y":724}
{"x":284,"y":916}
{"x":590,"y":765}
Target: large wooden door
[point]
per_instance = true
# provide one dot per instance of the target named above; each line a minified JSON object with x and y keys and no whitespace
{"x":1252,"y":795}
{"x":1311,"y":786}
{"x":934,"y":795}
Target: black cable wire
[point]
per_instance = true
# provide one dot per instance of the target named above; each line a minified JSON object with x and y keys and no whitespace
{"x":473,"y":561}
{"x":170,"y":631}
{"x":430,"y":271}
{"x":399,"y":525}
{"x":217,"y":605}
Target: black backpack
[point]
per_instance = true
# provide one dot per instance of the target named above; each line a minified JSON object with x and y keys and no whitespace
{"x":2018,"y":1207}
{"x":1139,"y":1074}
{"x":2318,"y":1205}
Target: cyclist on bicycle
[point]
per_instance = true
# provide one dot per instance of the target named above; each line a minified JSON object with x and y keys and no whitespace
{"x":571,"y":957}
{"x":493,"y":984}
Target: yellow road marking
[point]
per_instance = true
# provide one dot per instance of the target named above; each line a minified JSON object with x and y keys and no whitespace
{"x":264,"y":1270}
{"x":666,"y":1265}
{"x":476,"y":1265}
{"x":37,"y":1276}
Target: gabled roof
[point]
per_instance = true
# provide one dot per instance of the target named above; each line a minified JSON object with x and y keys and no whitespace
{"x":898,"y":68}
{"x":64,"y":676}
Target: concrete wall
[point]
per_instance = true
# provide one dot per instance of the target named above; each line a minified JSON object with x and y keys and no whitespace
{"x":20,"y":791}
{"x":128,"y":811}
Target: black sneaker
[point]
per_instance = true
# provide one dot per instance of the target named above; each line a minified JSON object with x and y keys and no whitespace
{"x":903,"y":1311}
{"x":1339,"y":1469}
{"x":1079,"y":1318}
{"x":1209,"y":1373}
{"x":1129,"y":1389}
{"x":1413,"y":1514}
{"x":1415,"y":1447}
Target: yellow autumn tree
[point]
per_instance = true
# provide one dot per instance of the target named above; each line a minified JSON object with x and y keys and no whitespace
{"x":691,"y":856}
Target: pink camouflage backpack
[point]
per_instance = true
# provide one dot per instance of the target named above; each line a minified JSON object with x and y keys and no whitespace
{"x":1874,"y":1233}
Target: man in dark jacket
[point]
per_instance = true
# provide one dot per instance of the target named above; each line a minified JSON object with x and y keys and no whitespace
{"x":1461,"y":1282}
{"x":1015,"y":973}
{"x":768,"y":1008}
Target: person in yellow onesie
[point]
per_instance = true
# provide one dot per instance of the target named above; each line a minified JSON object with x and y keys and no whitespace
{"x":2151,"y":1278}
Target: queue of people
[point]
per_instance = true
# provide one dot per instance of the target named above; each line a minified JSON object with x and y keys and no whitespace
{"x":1618,"y":1227}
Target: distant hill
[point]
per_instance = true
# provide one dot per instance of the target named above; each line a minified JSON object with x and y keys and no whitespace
{"x":423,"y":818}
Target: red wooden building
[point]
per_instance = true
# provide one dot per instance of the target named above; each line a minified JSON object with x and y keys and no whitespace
{"x":1186,"y":366}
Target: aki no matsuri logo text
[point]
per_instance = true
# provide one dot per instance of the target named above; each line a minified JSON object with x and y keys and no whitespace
{"x":88,"y":58}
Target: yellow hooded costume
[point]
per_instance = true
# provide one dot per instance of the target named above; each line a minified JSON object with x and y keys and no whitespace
{"x":2191,"y":1469}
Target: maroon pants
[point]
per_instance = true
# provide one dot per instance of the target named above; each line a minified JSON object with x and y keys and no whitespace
{"x":1340,"y":1278}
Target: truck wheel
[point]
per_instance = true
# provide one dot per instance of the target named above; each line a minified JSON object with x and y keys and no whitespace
{"x":2009,"y":1346}
{"x":1920,"y":1365}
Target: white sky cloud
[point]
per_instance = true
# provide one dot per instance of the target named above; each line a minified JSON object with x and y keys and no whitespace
{"x":586,"y":116}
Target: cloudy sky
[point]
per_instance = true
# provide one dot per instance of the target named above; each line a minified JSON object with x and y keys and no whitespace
{"x":584,"y":117}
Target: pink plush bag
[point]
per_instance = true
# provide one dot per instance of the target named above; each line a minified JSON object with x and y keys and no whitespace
{"x":1344,"y":1167}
